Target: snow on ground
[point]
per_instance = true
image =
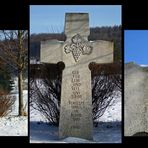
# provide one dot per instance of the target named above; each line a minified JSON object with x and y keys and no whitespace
{"x":41,"y":132}
{"x":113,"y":113}
{"x":16,"y":104}
{"x":108,"y":130}
{"x":13,"y":125}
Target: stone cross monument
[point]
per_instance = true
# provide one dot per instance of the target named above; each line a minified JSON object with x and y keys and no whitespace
{"x":76,"y":53}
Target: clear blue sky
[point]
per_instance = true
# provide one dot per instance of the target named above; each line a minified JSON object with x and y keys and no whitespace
{"x":46,"y":19}
{"x":136,"y":46}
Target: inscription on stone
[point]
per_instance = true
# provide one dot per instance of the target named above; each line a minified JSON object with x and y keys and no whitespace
{"x":75,"y":86}
{"x":76,"y":104}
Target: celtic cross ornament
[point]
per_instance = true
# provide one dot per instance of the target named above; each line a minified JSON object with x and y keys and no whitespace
{"x":78,"y":47}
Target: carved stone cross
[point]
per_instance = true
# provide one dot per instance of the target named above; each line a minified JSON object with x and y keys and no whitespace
{"x":76,"y":53}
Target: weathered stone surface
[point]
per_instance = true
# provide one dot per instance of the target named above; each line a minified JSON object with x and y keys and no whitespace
{"x":51,"y":51}
{"x":136,"y":99}
{"x":76,"y":103}
{"x":76,"y":53}
{"x":76,"y":24}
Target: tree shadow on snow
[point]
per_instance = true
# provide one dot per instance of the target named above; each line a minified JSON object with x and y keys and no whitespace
{"x":43,"y":131}
{"x":105,"y":132}
{"x":108,"y":132}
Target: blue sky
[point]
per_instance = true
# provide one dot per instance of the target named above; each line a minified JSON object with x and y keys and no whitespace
{"x":136,"y":46}
{"x":46,"y":19}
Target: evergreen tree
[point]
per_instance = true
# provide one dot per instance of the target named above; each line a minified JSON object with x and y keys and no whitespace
{"x":6,"y":84}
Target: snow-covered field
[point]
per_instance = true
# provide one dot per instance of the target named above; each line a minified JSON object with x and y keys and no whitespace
{"x":108,"y":130}
{"x":12,"y":125}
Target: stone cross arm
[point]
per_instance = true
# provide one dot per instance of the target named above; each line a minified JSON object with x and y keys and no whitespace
{"x":102,"y":52}
{"x":53,"y":52}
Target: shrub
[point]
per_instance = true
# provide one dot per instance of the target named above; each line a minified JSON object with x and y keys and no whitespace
{"x":6,"y":103}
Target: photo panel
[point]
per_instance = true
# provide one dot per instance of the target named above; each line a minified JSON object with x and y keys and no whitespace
{"x":75,"y":74}
{"x":135,"y":83}
{"x":14,"y":84}
{"x":59,"y":62}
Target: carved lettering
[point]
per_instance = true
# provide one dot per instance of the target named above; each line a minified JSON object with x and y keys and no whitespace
{"x":75,"y":72}
{"x":75,"y":127}
{"x":74,"y":80}
{"x":77,"y":84}
{"x":76,"y":119}
{"x":75,"y":88}
{"x":76,"y":96}
{"x":76,"y":102}
{"x":76,"y":115}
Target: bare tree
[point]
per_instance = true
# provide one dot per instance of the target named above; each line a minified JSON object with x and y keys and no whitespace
{"x":45,"y":90}
{"x":104,"y":90}
{"x":13,"y":51}
{"x":106,"y":84}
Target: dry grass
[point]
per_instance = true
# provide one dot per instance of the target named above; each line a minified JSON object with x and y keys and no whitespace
{"x":6,"y":103}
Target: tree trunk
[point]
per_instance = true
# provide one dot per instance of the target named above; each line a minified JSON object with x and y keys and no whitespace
{"x":20,"y":88}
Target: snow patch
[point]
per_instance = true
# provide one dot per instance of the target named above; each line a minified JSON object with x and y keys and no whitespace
{"x":144,"y":65}
{"x":14,"y":126}
{"x":112,"y":113}
{"x":76,"y":140}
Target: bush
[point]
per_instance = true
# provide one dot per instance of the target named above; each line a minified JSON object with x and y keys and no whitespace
{"x":6,"y":103}
{"x":45,"y":91}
